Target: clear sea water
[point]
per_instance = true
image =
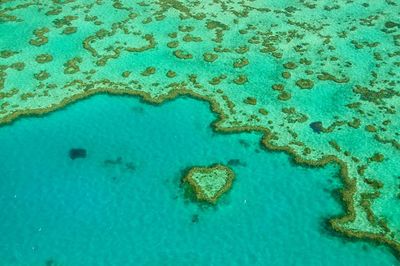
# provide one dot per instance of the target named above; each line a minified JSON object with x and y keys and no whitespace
{"x":88,"y":211}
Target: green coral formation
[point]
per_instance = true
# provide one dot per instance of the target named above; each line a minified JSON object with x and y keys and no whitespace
{"x":210,"y":183}
{"x":320,"y":79}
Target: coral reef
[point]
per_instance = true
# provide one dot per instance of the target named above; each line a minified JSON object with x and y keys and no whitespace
{"x":286,"y":70}
{"x":209,"y":183}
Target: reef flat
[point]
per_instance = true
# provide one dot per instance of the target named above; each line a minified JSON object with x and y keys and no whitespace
{"x":319,"y":78}
{"x":209,"y":183}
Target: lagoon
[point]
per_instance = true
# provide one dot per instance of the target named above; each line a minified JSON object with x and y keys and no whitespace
{"x":122,"y":203}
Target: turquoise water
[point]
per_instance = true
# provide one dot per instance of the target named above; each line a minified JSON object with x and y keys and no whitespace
{"x":89,"y":211}
{"x":277,"y":65}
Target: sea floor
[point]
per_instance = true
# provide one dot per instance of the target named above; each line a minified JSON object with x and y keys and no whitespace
{"x":123,"y":203}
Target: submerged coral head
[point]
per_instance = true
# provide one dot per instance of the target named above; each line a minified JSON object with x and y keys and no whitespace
{"x":76,"y":153}
{"x":317,"y":127}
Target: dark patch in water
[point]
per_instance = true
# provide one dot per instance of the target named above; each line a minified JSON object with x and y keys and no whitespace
{"x":316,"y":127}
{"x":119,"y":161}
{"x":113,"y":162}
{"x":244,"y":143}
{"x":50,"y":262}
{"x":391,"y":24}
{"x":138,"y":109}
{"x":130,"y":167}
{"x":236,"y":162}
{"x":77,"y":153}
{"x":337,"y":195}
{"x":195,"y":218}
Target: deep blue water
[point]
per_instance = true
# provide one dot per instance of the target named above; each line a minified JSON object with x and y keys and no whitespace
{"x":133,"y":212}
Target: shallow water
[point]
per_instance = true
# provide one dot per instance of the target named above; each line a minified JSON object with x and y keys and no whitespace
{"x":132,"y":210}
